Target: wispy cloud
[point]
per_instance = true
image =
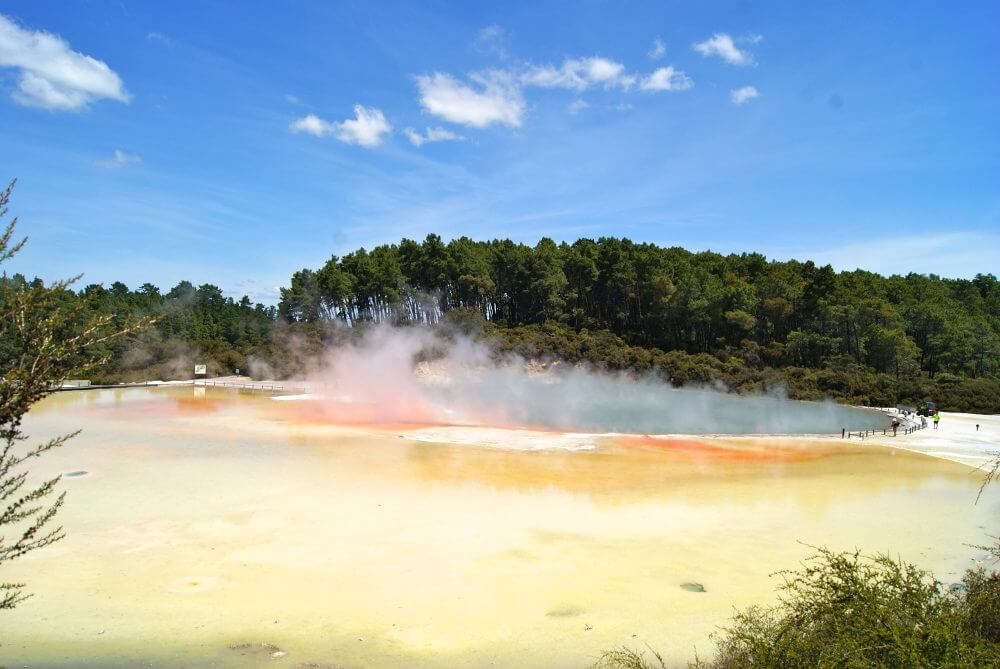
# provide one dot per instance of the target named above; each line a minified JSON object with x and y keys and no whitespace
{"x":491,"y":40}
{"x":959,"y":254}
{"x":666,"y":79}
{"x":658,"y":50}
{"x":118,"y":160}
{"x":579,"y":74}
{"x":50,"y":74}
{"x":741,"y":96}
{"x":431,"y":135}
{"x":159,"y":38}
{"x":723,"y":46}
{"x":254,"y":288}
{"x":367,"y":128}
{"x":494,"y":98}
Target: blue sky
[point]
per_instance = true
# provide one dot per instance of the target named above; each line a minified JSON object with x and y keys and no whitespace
{"x":233,"y":143}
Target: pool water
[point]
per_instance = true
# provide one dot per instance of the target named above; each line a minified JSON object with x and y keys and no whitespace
{"x":211,"y":528}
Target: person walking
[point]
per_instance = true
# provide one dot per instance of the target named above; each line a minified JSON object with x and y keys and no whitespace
{"x":937,"y":419}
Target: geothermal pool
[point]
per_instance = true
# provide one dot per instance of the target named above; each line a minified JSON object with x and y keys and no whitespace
{"x":213,"y":528}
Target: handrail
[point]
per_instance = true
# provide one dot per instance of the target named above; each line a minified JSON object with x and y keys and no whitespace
{"x":250,"y":385}
{"x":904,"y":429}
{"x":192,"y":382}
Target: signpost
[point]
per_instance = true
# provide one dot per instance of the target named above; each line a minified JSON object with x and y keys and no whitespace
{"x":200,"y":370}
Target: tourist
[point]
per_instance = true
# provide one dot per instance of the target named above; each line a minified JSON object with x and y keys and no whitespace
{"x":937,"y":419}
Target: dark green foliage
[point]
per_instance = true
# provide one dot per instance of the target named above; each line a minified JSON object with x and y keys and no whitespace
{"x":738,"y":320}
{"x":193,"y":324}
{"x":846,"y":610}
{"x":856,"y":612}
{"x":983,"y":597}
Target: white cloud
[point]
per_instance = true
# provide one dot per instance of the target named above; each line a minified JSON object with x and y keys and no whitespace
{"x":431,"y":135}
{"x":579,"y":74}
{"x":658,"y":50}
{"x":292,"y":100}
{"x":550,"y":77}
{"x":666,"y":79}
{"x":313,"y":125}
{"x":490,"y":40}
{"x":723,"y":46}
{"x":497,"y":99}
{"x":159,"y":37}
{"x":366,"y":128}
{"x":118,"y":160}
{"x":741,"y":96}
{"x":50,"y":74}
{"x":416,"y":139}
{"x":496,"y":96}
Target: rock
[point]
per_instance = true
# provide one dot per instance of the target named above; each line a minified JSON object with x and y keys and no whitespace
{"x":565,"y":612}
{"x":693,"y":587}
{"x":259,"y":648}
{"x":958,"y":588}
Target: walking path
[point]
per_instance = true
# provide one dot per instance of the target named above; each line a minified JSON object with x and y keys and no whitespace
{"x":956,"y":438}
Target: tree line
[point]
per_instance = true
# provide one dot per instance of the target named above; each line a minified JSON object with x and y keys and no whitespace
{"x":740,"y":319}
{"x":741,"y":310}
{"x":188,"y":323}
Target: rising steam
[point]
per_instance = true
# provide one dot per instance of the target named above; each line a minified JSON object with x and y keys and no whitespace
{"x":380,"y":378}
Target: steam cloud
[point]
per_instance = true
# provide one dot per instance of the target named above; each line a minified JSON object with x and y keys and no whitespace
{"x":379,"y":379}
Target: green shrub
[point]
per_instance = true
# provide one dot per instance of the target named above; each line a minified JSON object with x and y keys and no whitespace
{"x":852,"y":611}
